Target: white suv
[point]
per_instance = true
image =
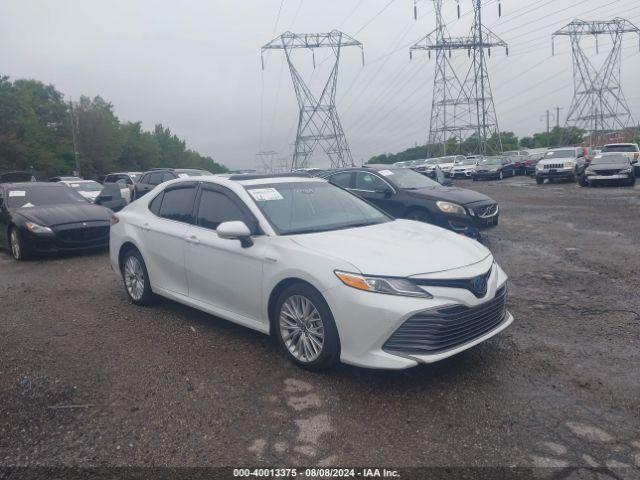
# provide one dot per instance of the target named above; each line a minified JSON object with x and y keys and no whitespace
{"x":559,"y":164}
{"x":328,"y":274}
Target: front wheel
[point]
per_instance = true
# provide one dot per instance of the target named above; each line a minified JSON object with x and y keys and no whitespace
{"x":539,"y":180}
{"x":306,"y":329}
{"x":19,"y":250}
{"x":136,"y":279}
{"x":419,"y":216}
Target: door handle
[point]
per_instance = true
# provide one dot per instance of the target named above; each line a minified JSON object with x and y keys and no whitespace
{"x":146,"y":227}
{"x":192,"y":239}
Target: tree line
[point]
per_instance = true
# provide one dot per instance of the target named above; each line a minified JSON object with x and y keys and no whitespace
{"x":557,"y":137}
{"x":36,"y":135}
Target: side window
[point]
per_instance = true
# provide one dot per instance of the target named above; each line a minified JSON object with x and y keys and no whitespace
{"x":109,"y":179}
{"x":216,"y":207}
{"x":154,"y":178}
{"x":154,"y":206}
{"x":341,"y":179}
{"x":144,"y":179}
{"x":166,"y":176}
{"x":177,"y":203}
{"x":368,"y":181}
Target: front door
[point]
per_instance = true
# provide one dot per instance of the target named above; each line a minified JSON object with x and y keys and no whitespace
{"x":220,"y":271}
{"x":377,"y":191}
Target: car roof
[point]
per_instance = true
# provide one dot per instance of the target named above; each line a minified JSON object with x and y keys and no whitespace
{"x":124,"y":173}
{"x":620,"y":144}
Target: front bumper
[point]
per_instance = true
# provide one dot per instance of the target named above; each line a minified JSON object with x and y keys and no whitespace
{"x":481,"y":175}
{"x":555,"y":173}
{"x":460,"y":174}
{"x":71,"y":238}
{"x":608,"y":178}
{"x":366,"y":321}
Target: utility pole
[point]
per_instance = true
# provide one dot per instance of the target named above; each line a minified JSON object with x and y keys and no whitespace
{"x":558,"y":116}
{"x":598,"y":105}
{"x":74,"y":137}
{"x":318,"y":121}
{"x":462,"y":106}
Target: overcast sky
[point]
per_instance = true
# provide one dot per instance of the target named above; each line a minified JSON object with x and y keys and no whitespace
{"x":194,"y":65}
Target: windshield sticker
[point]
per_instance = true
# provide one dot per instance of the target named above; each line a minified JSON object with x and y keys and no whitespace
{"x":265,"y":194}
{"x":386,"y":173}
{"x":27,"y":205}
{"x":182,"y":175}
{"x":17,"y":193}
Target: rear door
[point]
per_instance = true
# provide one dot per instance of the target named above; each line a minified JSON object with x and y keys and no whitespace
{"x":148,"y":183}
{"x":164,"y":234}
{"x":220,"y":271}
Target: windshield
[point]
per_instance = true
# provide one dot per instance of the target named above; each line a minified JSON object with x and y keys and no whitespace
{"x":620,"y":148}
{"x":305,"y":207}
{"x":491,"y":161}
{"x":560,"y":154}
{"x":603,"y":159}
{"x":41,"y":196}
{"x":86,"y":186}
{"x":408,"y":179}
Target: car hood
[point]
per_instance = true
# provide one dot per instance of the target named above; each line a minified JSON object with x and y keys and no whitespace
{"x":52,"y":215}
{"x":458,"y":195}
{"x":399,"y":248}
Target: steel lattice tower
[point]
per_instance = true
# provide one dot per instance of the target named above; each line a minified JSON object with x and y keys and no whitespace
{"x":318,"y":122}
{"x":598,"y":105}
{"x":461,"y":108}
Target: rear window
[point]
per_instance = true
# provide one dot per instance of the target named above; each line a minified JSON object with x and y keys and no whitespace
{"x":620,"y":148}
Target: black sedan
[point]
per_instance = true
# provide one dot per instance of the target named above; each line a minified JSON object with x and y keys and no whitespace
{"x":495,"y":168}
{"x":403,"y":193}
{"x":49,"y":217}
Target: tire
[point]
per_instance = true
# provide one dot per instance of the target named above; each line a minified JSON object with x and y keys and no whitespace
{"x":632,"y":182}
{"x":419,"y":215}
{"x":136,"y":278}
{"x":475,"y":179}
{"x":539,"y":180}
{"x":318,"y":347}
{"x":572,"y":178}
{"x":19,"y":250}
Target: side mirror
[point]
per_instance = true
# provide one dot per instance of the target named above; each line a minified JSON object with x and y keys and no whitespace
{"x":386,"y":191}
{"x":235,"y":230}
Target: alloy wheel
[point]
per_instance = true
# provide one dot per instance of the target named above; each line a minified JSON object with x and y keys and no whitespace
{"x":134,"y":278}
{"x":15,"y":245}
{"x":301,"y":328}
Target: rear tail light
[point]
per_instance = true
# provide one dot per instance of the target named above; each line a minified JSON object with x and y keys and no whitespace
{"x":114,"y":219}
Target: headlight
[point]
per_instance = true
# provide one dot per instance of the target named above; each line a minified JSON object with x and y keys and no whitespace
{"x":568,"y":164}
{"x":495,"y":169}
{"x":390,"y":286}
{"x":539,"y":166}
{"x":38,"y":229}
{"x":626,"y":171}
{"x":448,"y":207}
{"x":588,"y":171}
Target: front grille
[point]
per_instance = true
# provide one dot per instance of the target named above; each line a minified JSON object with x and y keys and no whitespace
{"x":553,"y":165}
{"x":84,"y":235}
{"x":606,"y":173}
{"x":434,"y":331}
{"x":486,"y":210}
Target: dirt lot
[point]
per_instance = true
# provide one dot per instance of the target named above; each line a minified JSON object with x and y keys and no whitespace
{"x":86,"y":378}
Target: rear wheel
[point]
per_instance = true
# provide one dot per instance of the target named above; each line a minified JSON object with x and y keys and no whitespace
{"x":306,"y":329}
{"x":632,"y":182}
{"x":19,"y":250}
{"x":136,"y":278}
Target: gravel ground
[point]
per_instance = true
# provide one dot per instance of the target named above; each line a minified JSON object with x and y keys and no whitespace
{"x":87,"y":378}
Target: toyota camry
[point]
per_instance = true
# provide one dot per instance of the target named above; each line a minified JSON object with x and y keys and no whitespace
{"x":331,"y":276}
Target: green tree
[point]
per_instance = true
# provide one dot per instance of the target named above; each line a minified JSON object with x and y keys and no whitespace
{"x":527,"y":142}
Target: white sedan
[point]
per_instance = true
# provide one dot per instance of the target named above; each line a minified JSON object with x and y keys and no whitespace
{"x":331,"y":276}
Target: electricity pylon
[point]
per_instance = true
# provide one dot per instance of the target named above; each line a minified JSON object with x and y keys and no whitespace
{"x":318,"y":122}
{"x":598,"y":105}
{"x":461,"y":107}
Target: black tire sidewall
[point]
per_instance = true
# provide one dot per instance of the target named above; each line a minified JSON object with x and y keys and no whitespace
{"x":24,"y":249}
{"x":417,"y":212}
{"x":330,"y":355}
{"x":147,"y":296}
